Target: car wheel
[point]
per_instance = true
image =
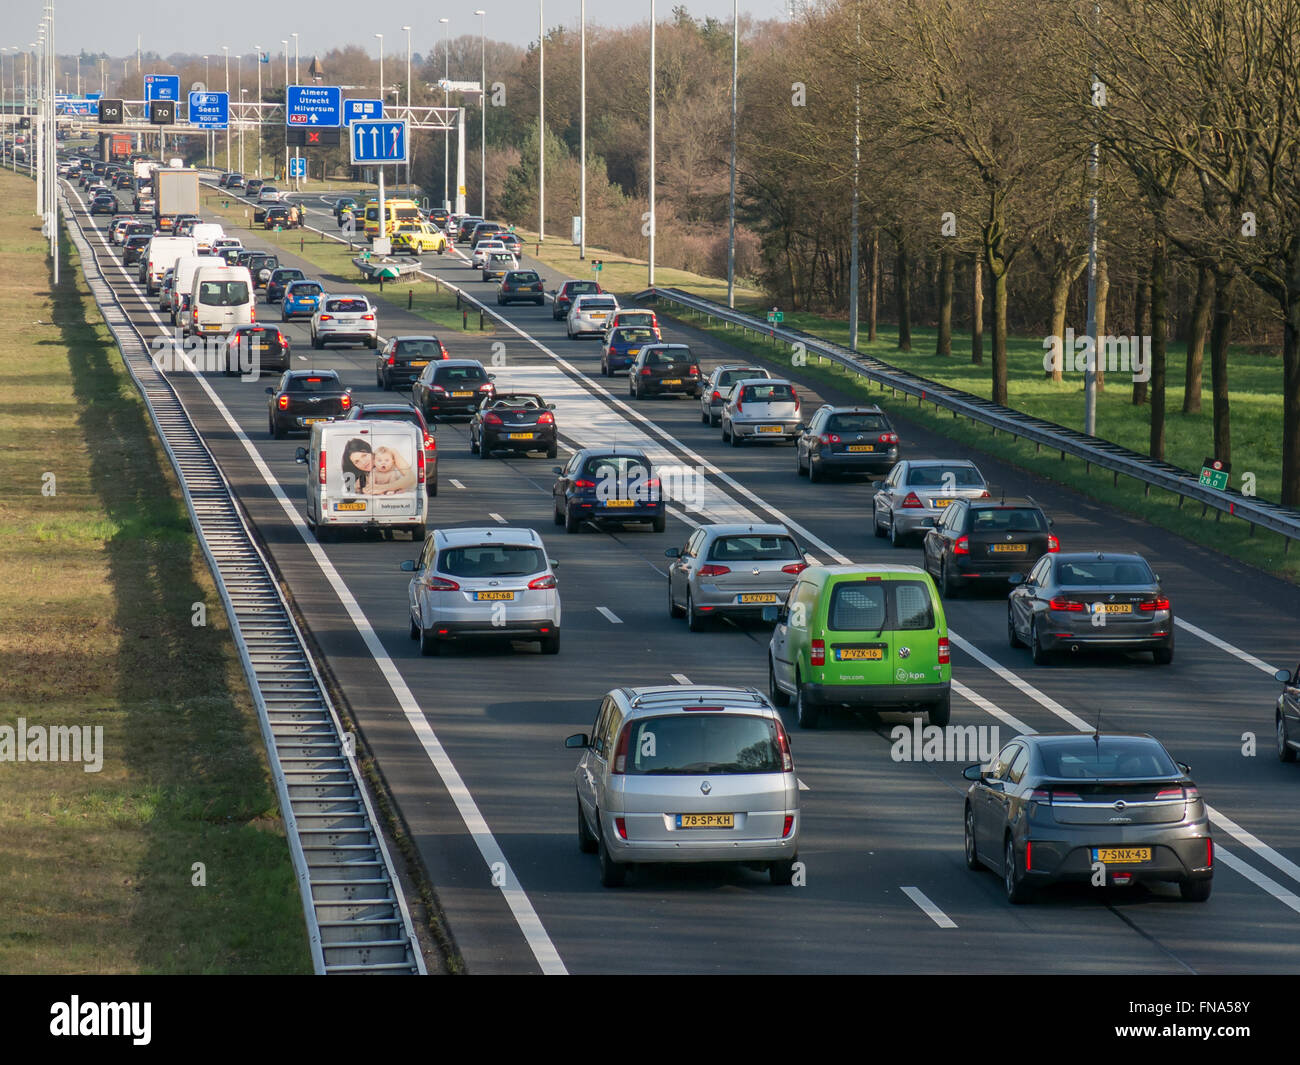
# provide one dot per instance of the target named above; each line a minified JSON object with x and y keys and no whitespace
{"x":660,"y":522}
{"x":782,"y":872}
{"x":734,"y":437}
{"x":604,"y":368}
{"x":778,"y":697}
{"x":674,"y":611}
{"x":972,"y":859}
{"x":695,"y":622}
{"x":316,"y":342}
{"x":386,"y":382}
{"x":941,"y":712}
{"x":875,"y":522}
{"x":484,"y":452}
{"x":704,"y":416}
{"x":806,"y":712}
{"x":551,"y":644}
{"x":473,"y":445}
{"x":948,"y":583}
{"x":1042,"y":657}
{"x":896,"y":538}
{"x":1285,"y":752}
{"x":726,"y":433}
{"x":432,"y":487}
{"x":276,"y":431}
{"x":586,"y":841}
{"x":815,"y":474}
{"x":798,"y":461}
{"x":552,"y":452}
{"x":612,"y":873}
{"x":571,"y":522}
{"x":1195,"y":890}
{"x":283,"y":317}
{"x":430,"y":645}
{"x":1012,"y":638}
{"x":1017,"y":890}
{"x":715,"y":420}
{"x":559,"y":518}
{"x":1163,"y":655}
{"x":415,"y":630}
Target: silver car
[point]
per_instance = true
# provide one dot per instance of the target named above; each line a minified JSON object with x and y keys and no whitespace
{"x":483,"y":583}
{"x":589,"y":314}
{"x":732,"y":569}
{"x":687,"y":773}
{"x":914,"y":495}
{"x":719,"y":384}
{"x":760,"y":409}
{"x":344,"y":319}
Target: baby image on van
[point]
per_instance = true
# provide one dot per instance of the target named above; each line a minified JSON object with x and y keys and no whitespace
{"x":391,"y":473}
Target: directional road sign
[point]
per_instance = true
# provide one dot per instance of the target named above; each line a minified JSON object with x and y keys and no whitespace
{"x":314,"y":105}
{"x":1214,"y":474}
{"x":355,"y":109}
{"x":73,"y":106}
{"x":162,"y":87}
{"x":379,"y":142}
{"x":210,"y":110}
{"x":298,"y":166}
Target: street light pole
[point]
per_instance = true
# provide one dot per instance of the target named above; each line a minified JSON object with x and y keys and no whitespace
{"x":296,"y":75}
{"x":482,"y":138}
{"x":446,"y":102}
{"x":286,"y":98}
{"x":230,"y":163}
{"x":408,"y":103}
{"x":541,"y":124}
{"x":1090,"y":370}
{"x":582,"y":135}
{"x":731,"y":210}
{"x":651,"y":276}
{"x":259,"y":107}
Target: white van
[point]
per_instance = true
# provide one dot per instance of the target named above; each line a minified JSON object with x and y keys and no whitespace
{"x":183,"y":282}
{"x":161,"y":254}
{"x":207,"y":234}
{"x":365,"y":473}
{"x":221,"y":297}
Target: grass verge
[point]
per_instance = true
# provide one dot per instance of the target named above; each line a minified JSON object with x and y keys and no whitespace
{"x":100,"y":574}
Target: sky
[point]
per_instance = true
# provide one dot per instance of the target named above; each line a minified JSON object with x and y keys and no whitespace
{"x":165,"y":28}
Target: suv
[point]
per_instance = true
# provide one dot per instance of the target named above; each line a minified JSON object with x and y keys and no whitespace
{"x":687,"y":773}
{"x":866,"y":638}
{"x":483,"y":583}
{"x":979,"y":540}
{"x":846,"y":440}
{"x":663,"y":370}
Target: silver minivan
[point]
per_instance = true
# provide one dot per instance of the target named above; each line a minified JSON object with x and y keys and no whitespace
{"x":732,"y":569}
{"x":687,"y":773}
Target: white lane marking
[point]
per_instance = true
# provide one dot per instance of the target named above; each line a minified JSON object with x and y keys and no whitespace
{"x":497,"y":518}
{"x":1043,"y":700}
{"x":530,"y":924}
{"x":802,"y":785}
{"x":681,"y":678}
{"x":929,"y":908}
{"x":1287,"y":898}
{"x":609,"y":615}
{"x":1254,"y":843}
{"x":1224,"y":645}
{"x":457,"y":484}
{"x":992,"y":709}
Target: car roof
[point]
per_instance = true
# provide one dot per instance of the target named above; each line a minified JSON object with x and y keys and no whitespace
{"x":413,"y":336}
{"x":941,"y":462}
{"x":1099,"y":556}
{"x":312,"y":373}
{"x":613,"y":450}
{"x":480,"y":534}
{"x":862,"y":408}
{"x":884,"y":569}
{"x":737,"y":528}
{"x":1007,"y":503}
{"x":662,"y":698}
{"x":390,"y":406}
{"x":444,"y":363}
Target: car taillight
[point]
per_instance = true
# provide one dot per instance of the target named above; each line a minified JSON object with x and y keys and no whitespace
{"x":945,"y":656}
{"x":280,"y":338}
{"x":438,"y":388}
{"x":442,"y":349}
{"x":485,"y":387}
{"x":430,"y":444}
{"x":321,"y":471}
{"x":795,"y":567}
{"x":492,"y":419}
{"x":283,"y":401}
{"x":796,"y":398}
{"x":787,"y":762}
{"x":367,"y":317}
{"x":584,"y":483}
{"x":1029,"y":855}
{"x":829,"y":438}
{"x":912,"y":501}
{"x":325,"y":317}
{"x":345,"y":401}
{"x":1169,"y":794}
{"x":888,"y":438}
{"x":694,"y":371}
{"x":1154,"y":604}
{"x":542,"y":582}
{"x":1191,"y":793}
{"x":645,"y":371}
{"x":817,"y":655}
{"x":1065,"y":606}
{"x":439,"y":584}
{"x":1209,"y":852}
{"x":392,"y":360}
{"x":740,"y":406}
{"x":546,"y":418}
{"x":1066,"y":796}
{"x":620,"y":751}
{"x":717,"y":394}
{"x":252,"y":314}
{"x":419,"y":462}
{"x":1053,"y":544}
{"x":620,"y":826}
{"x":714,"y":571}
{"x":962,"y":546}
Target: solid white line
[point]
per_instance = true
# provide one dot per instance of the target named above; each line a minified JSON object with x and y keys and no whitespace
{"x":610,"y":616}
{"x":992,"y":709}
{"x":456,"y":484}
{"x":497,"y":518}
{"x":1224,"y":645}
{"x":1257,"y":878}
{"x":681,"y":678}
{"x":929,"y":908}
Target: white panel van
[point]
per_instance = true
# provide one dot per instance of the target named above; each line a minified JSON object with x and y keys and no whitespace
{"x":221,"y":297}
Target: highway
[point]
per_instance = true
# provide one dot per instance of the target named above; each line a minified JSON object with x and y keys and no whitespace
{"x":470,"y":744}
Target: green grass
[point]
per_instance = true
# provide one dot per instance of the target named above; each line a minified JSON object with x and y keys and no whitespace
{"x":98,"y":583}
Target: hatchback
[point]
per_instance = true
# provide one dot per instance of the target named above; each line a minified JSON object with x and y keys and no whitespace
{"x":760,"y":410}
{"x":498,"y":264}
{"x":688,"y":773}
{"x":663,"y":370}
{"x":622,"y":347}
{"x":589,"y":313}
{"x":916,"y":493}
{"x":402,"y":359}
{"x":300,"y":298}
{"x":519,"y":285}
{"x":452,"y":387}
{"x":982,"y":540}
{"x":732,"y":570}
{"x":846,"y":440}
{"x":717,"y":386}
{"x":279,"y":280}
{"x":566,"y":293}
{"x":607,"y":486}
{"x":268,"y":349}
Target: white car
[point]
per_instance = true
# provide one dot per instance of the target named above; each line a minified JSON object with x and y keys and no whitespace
{"x":483,"y":583}
{"x":269,"y":195}
{"x":344,"y":319}
{"x":588,"y":315}
{"x":482,"y":250}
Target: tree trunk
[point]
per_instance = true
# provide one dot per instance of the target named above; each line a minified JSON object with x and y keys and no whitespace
{"x":903,"y":295}
{"x":1220,"y":333}
{"x":1141,"y":326}
{"x":945,"y":302}
{"x":977,"y":311}
{"x":873,"y":285}
{"x":994,"y":256}
{"x":1199,"y":329}
{"x":1065,"y":275}
{"x":1103,"y":294}
{"x":1159,"y":334}
{"x":1291,"y":379}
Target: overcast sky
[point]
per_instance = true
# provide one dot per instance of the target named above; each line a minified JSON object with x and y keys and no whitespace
{"x":182,"y":26}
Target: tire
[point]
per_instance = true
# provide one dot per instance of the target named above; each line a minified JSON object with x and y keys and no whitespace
{"x":704,"y":416}
{"x":571,"y":522}
{"x":1163,"y":655}
{"x":734,"y":437}
{"x":283,"y":317}
{"x":419,"y":533}
{"x":972,"y":859}
{"x":948,"y":586}
{"x":473,"y":445}
{"x":1017,"y":890}
{"x":372,"y":342}
{"x":1195,"y":890}
{"x":1015,"y":641}
{"x":553,"y":451}
{"x":414,"y":632}
{"x":484,"y":452}
{"x":782,"y":872}
{"x":875,"y":522}
{"x":612,"y":873}
{"x":941,"y":712}
{"x":1285,"y":753}
{"x":559,"y":518}
{"x":550,"y":644}
{"x":798,"y":462}
{"x":896,"y":539}
{"x":1042,"y":657}
{"x":778,"y":697}
{"x":316,"y":342}
{"x":430,"y":646}
{"x":386,"y":382}
{"x":715,"y":420}
{"x":276,"y":432}
{"x":431,"y":488}
{"x":806,"y":712}
{"x":694,"y":621}
{"x":660,"y":523}
{"x":674,"y":611}
{"x":815,"y":474}
{"x":726,"y":435}
{"x":587,"y":843}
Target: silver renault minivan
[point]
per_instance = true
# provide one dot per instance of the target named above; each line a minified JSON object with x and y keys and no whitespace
{"x":687,"y":773}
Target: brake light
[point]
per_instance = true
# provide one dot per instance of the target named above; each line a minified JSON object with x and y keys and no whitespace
{"x":645,"y":371}
{"x":322,"y":466}
{"x":345,"y":401}
{"x":912,"y":501}
{"x":1169,"y":794}
{"x":944,"y":654}
{"x":542,"y":582}
{"x":962,"y":546}
{"x":430,"y":444}
{"x":1040,"y":795}
{"x":392,"y":360}
{"x":1209,"y":852}
{"x":1065,"y":606}
{"x":1053,"y":544}
{"x":252,"y":314}
{"x":492,"y":419}
{"x":817,"y":655}
{"x":280,"y":337}
{"x":438,"y":388}
{"x":1191,"y":793}
{"x":717,"y":394}
{"x":1154,"y":604}
{"x":795,"y":567}
{"x":367,"y":317}
{"x":796,"y":398}
{"x":739,"y":404}
{"x":283,"y":401}
{"x":829,"y":438}
{"x":985,"y":494}
{"x":694,"y":371}
{"x":325,"y":317}
{"x":620,"y":751}
{"x":486,"y":387}
{"x":787,"y":763}
{"x":584,"y":483}
{"x":443,"y":349}
{"x":546,"y":418}
{"x":888,"y":438}
{"x":714,"y":571}
{"x":620,"y":826}
{"x":439,"y":584}
{"x":1066,"y":796}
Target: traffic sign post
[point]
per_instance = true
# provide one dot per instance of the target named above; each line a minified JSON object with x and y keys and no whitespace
{"x":1214,"y":474}
{"x":362,"y":109}
{"x":209,"y":110}
{"x":385,"y":142}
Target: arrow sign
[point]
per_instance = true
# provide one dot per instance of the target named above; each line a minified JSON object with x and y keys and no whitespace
{"x":385,"y":141}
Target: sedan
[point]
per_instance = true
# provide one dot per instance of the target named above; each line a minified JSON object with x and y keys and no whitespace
{"x":846,"y":440}
{"x":514,"y":421}
{"x":588,"y":314}
{"x":116,"y":231}
{"x":760,"y":410}
{"x":622,"y":347}
{"x":402,"y":359}
{"x":1094,"y":601}
{"x":978,"y":541}
{"x":730,"y":570}
{"x":915,"y":494}
{"x":663,"y":370}
{"x":452,"y":387}
{"x":103,"y":203}
{"x":521,"y":285}
{"x":404,"y":412}
{"x":1057,"y":807}
{"x":608,"y":486}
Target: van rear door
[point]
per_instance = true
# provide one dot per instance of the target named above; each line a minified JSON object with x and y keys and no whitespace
{"x":372,"y":472}
{"x":859,"y":643}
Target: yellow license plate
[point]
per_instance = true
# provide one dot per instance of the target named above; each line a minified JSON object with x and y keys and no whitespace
{"x":349,"y":506}
{"x":521,"y":436}
{"x":419,"y":362}
{"x":634,"y":351}
{"x":706,"y":820}
{"x":598,"y":316}
{"x":462,"y":395}
{"x":862,"y":447}
{"x":671,"y":381}
{"x":755,"y":597}
{"x":769,"y":429}
{"x":1115,"y":608}
{"x":482,"y":596}
{"x":313,"y":421}
{"x":941,"y":503}
{"x":1010,"y":549}
{"x":1121,"y":855}
{"x":861,"y":654}
{"x":620,"y":502}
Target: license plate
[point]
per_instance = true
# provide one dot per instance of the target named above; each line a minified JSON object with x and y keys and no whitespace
{"x":312,"y":421}
{"x":419,"y":362}
{"x":597,"y":316}
{"x":941,"y":503}
{"x":484,"y":596}
{"x":862,"y":447}
{"x":634,"y":351}
{"x":521,"y":436}
{"x":349,"y":506}
{"x":671,"y":381}
{"x":706,"y":820}
{"x":620,"y":502}
{"x":860,"y":654}
{"x":1010,"y":549}
{"x":756,"y":597}
{"x":770,"y":429}
{"x":462,"y":395}
{"x":1121,"y":855}
{"x":1114,"y":608}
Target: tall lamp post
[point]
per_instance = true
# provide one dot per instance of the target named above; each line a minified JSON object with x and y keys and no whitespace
{"x":446,"y":102}
{"x":230,"y":163}
{"x":408,"y":103}
{"x":482,"y":138}
{"x":651,"y":272}
{"x":731,"y":210}
{"x":541,"y":124}
{"x":285,"y":42}
{"x":259,"y":107}
{"x":582,"y":134}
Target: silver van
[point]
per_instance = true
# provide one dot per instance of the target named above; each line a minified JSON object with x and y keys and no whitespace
{"x":687,"y":773}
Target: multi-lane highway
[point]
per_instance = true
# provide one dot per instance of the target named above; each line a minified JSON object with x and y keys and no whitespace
{"x":470,"y":744}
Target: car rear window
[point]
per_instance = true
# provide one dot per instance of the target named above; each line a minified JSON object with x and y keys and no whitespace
{"x":314,"y":383}
{"x":623,"y":467}
{"x":693,"y":743}
{"x":937,"y":477}
{"x":347,"y":306}
{"x":1101,"y":572}
{"x":577,"y":288}
{"x":631,"y":336}
{"x":428,"y":348}
{"x":305,"y":290}
{"x":526,"y":277}
{"x":452,"y":374}
{"x":856,"y":423}
{"x":223,"y":293}
{"x":491,"y":560}
{"x":753,"y":547}
{"x":860,"y":606}
{"x":1105,"y":758}
{"x":408,"y":416}
{"x":1008,"y":519}
{"x":599,"y":303}
{"x":502,"y":257}
{"x":288,"y":275}
{"x":730,"y":377}
{"x":777,"y":393}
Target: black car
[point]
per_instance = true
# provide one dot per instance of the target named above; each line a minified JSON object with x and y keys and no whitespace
{"x":263,"y":347}
{"x":103,"y":203}
{"x":452,"y":387}
{"x":221,"y":181}
{"x":1286,"y":719}
{"x":261,"y":266}
{"x":236,"y":181}
{"x":390,"y":411}
{"x":440,"y":216}
{"x":521,"y":286}
{"x":403,"y":359}
{"x":1103,"y":808}
{"x":514,"y":421}
{"x":664,"y":370}
{"x":125,"y":181}
{"x":608,"y":486}
{"x":304,"y":397}
{"x":1097,"y":601}
{"x":281,"y":216}
{"x":465,"y":228}
{"x":982,"y":540}
{"x":279,"y":280}
{"x":565,"y":293}
{"x":846,"y":440}
{"x":135,"y":229}
{"x":133,"y":247}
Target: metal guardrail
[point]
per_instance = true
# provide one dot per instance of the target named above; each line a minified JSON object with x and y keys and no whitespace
{"x":357,"y":919}
{"x":1093,"y":450}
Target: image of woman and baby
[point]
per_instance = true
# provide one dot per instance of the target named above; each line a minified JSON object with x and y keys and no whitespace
{"x":378,"y":471}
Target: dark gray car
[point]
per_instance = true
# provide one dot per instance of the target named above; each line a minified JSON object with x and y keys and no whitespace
{"x":1287,"y":718}
{"x":1090,"y":601}
{"x":1109,"y":809}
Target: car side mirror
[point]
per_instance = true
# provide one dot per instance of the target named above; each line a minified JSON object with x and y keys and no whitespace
{"x":672,"y":552}
{"x":1282,"y":676}
{"x":408,"y":566}
{"x":578,"y":741}
{"x":550,"y":406}
{"x":1051,"y":522}
{"x":972,"y":772}
{"x":1018,"y":578}
{"x":300,"y":455}
{"x":492,"y":377}
{"x":928,"y":523}
{"x":270,"y":391}
{"x":552,"y":563}
{"x":876,"y":486}
{"x":1185,"y":767}
{"x":557,"y":469}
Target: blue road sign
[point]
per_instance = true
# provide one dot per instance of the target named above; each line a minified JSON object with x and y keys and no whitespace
{"x":93,"y":95}
{"x":210,"y":110}
{"x":73,"y":106}
{"x":162,"y":87}
{"x":314,"y":105}
{"x":298,"y":166}
{"x":384,"y":141}
{"x":355,"y":109}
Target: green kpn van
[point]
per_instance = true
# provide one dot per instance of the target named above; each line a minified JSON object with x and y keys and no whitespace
{"x":863,"y":637}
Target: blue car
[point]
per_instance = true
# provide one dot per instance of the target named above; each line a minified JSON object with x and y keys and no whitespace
{"x":608,"y":486}
{"x":622,"y":348}
{"x":300,"y":298}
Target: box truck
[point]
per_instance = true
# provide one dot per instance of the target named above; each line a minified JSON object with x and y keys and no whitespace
{"x":174,"y":192}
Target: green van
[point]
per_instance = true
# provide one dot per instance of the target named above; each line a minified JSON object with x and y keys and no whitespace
{"x":864,"y":637}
